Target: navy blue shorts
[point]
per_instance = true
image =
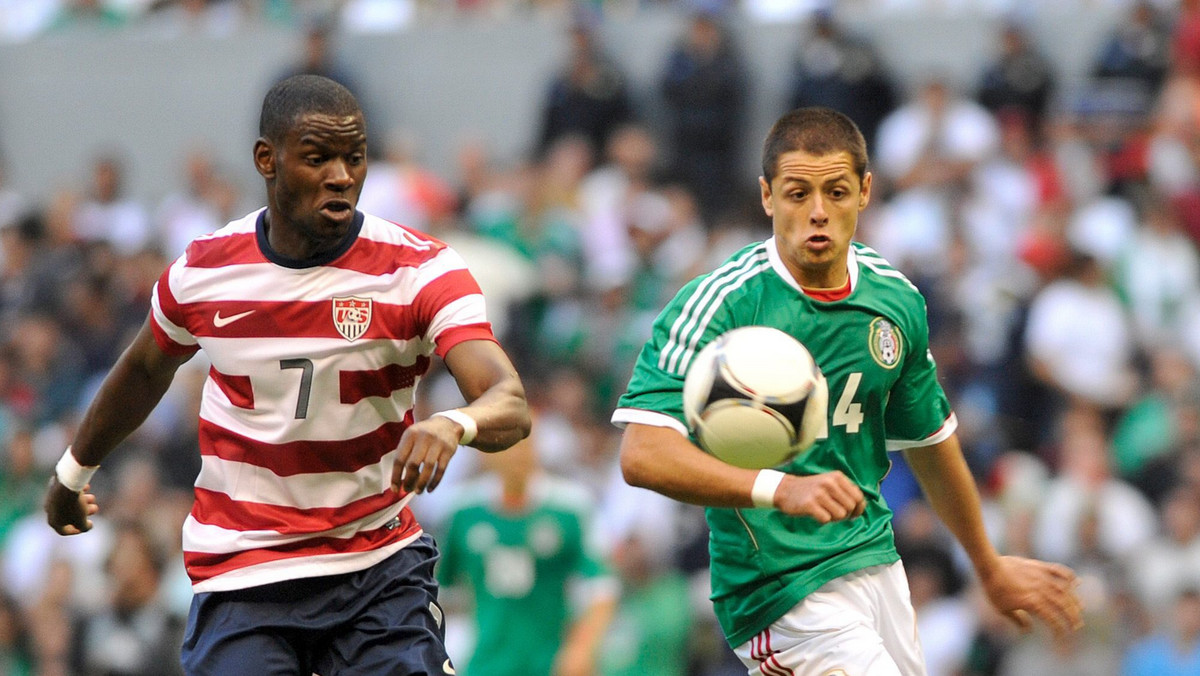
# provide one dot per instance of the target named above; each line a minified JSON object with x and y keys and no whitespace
{"x":382,"y":620}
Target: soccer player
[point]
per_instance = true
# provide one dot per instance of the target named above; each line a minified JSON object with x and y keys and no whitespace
{"x":319,"y":322}
{"x":521,"y":539}
{"x":805,"y":575}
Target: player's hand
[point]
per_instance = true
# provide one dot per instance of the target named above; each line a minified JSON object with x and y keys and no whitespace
{"x":68,"y":512}
{"x":425,"y":451}
{"x":825,"y":497}
{"x":1023,"y":588}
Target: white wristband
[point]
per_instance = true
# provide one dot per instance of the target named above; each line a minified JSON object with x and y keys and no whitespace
{"x":72,"y":474}
{"x":765,"y":484}
{"x":470,"y":427}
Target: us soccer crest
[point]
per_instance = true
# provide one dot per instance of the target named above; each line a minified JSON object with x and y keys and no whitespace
{"x":885,"y":342}
{"x":352,"y":316}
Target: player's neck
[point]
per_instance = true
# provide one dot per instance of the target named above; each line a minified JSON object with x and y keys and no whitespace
{"x":514,"y":495}
{"x":828,"y":295}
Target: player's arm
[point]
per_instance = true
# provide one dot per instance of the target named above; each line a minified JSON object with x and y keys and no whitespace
{"x":663,"y":460}
{"x":496,"y":416}
{"x":134,"y":386}
{"x":581,"y":645}
{"x":1017,"y":586}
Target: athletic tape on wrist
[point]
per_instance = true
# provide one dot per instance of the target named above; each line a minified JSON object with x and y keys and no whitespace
{"x":72,"y":474}
{"x":765,"y":484}
{"x":470,"y":427}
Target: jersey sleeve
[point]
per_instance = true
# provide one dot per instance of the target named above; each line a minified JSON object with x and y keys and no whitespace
{"x":450,"y":303}
{"x":167,"y":318}
{"x":689,"y":322}
{"x":918,"y":412}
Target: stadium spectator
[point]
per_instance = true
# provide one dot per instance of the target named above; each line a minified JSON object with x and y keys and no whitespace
{"x":134,"y":634}
{"x":400,"y":189}
{"x":839,"y":70}
{"x":1019,"y":80}
{"x":108,"y":214}
{"x":1121,"y":520}
{"x":1157,"y":273}
{"x":1149,"y":433}
{"x":1169,"y":563}
{"x":704,"y":86}
{"x":1097,"y":369}
{"x":1135,"y":55}
{"x":206,"y":201}
{"x":76,"y":15}
{"x":588,"y":97}
{"x":318,"y":56}
{"x":631,"y":165}
{"x":927,"y":148}
{"x":15,"y":657}
{"x":1175,"y":649}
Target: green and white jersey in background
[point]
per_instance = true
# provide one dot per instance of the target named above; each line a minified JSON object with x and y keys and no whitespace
{"x":521,"y":566}
{"x":872,"y":347}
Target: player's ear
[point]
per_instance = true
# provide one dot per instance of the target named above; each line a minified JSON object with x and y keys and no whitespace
{"x":864,"y":196}
{"x":765,"y":188}
{"x":264,"y":158}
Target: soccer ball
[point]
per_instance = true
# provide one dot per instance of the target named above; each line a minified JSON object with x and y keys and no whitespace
{"x":754,"y":397}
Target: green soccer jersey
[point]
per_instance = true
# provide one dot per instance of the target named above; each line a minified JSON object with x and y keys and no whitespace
{"x":872,"y":347}
{"x":520,"y":566}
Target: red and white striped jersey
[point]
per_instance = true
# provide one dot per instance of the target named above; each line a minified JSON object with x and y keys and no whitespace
{"x":314,"y":368}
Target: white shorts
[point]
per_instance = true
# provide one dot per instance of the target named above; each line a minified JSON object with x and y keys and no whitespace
{"x":861,"y":624}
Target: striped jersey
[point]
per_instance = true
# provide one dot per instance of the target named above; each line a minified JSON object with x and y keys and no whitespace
{"x":314,"y":368}
{"x":872,"y":346}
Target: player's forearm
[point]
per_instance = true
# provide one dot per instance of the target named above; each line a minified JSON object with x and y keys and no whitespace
{"x":950,"y":489}
{"x":125,"y":399}
{"x":582,"y":643}
{"x":662,"y":460}
{"x":501,"y":414}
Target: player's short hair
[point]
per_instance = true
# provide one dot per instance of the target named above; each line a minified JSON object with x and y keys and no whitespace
{"x":816,"y":131}
{"x":300,"y":95}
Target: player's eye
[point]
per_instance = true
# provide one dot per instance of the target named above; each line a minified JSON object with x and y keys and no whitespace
{"x":314,"y":160}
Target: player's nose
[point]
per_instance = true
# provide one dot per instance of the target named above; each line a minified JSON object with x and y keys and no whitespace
{"x":818,"y":215}
{"x":338,"y":176}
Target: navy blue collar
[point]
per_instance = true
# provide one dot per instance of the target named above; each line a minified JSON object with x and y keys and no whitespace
{"x":325,"y":258}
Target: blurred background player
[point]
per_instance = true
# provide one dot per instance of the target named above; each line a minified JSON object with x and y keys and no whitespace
{"x":522,"y":540}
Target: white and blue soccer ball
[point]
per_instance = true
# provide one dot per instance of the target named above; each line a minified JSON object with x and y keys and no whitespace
{"x":755,"y":398}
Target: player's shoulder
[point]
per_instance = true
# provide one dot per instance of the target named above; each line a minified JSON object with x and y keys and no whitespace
{"x":740,"y":271}
{"x":389,"y":232}
{"x":561,"y":494}
{"x":478,"y":494}
{"x":233,"y":243}
{"x":876,"y":271}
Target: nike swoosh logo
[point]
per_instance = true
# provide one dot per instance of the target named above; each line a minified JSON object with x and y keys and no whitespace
{"x":447,"y":668}
{"x":219,"y":321}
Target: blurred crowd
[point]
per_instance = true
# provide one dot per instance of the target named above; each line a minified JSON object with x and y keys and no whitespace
{"x":23,"y":20}
{"x":1054,"y":234}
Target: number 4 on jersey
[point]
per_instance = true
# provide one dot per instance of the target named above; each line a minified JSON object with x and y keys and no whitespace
{"x":847,"y":412}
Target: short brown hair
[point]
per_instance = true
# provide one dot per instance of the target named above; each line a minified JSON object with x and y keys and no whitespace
{"x":817,"y":131}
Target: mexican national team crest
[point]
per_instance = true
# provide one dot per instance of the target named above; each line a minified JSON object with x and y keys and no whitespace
{"x":885,"y":342}
{"x":352,"y":316}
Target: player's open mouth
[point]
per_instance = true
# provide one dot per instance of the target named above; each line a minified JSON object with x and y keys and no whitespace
{"x":819,"y":241}
{"x":337,"y":209}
